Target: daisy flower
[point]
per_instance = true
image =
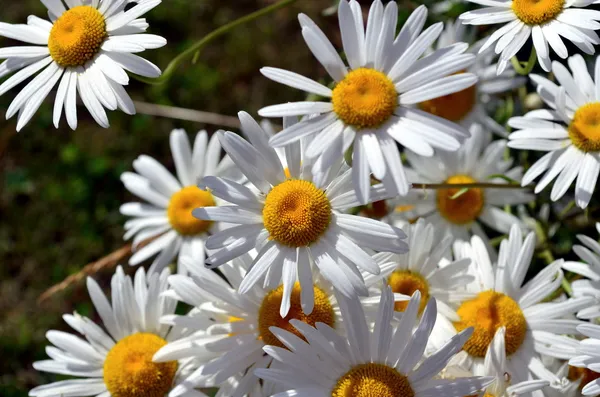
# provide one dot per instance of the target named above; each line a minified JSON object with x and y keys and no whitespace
{"x":380,"y":362}
{"x":291,"y":219}
{"x":589,"y":358}
{"x":86,"y":48}
{"x":568,"y":131}
{"x":471,"y":105}
{"x":423,"y":268}
{"x":545,"y":21}
{"x":477,"y":161}
{"x":533,"y":326}
{"x":240,"y":324}
{"x":116,"y":362}
{"x":167,"y":215}
{"x":495,"y":366}
{"x":589,"y":268}
{"x":371,"y":105}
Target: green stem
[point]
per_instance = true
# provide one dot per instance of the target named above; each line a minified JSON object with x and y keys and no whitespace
{"x":197,"y":47}
{"x":525,"y":68}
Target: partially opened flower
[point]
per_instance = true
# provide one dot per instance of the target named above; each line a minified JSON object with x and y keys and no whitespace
{"x":293,"y":216}
{"x":386,"y":361}
{"x":534,"y":327}
{"x":371,"y":107}
{"x":545,"y":21}
{"x":569,"y":131}
{"x":589,"y":358}
{"x":117,"y":360}
{"x":459,"y":212}
{"x":86,"y":48}
{"x":167,"y":216}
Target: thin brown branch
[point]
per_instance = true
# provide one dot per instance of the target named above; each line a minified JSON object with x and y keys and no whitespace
{"x":186,"y":114}
{"x":482,"y":185}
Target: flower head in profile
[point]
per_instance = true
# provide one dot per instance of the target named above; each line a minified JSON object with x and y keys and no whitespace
{"x":381,"y":361}
{"x":116,"y":360}
{"x":545,"y":21}
{"x":456,"y":211}
{"x":294,"y":218}
{"x":167,"y":216}
{"x":86,"y":48}
{"x":569,"y":131}
{"x":371,"y":107}
{"x":534,"y":328}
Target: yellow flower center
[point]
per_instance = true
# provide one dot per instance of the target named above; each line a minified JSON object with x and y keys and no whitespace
{"x":461,"y":209}
{"x":487,"y":312}
{"x":366,"y":98}
{"x":584,"y":129}
{"x":453,"y":107}
{"x":130,"y":372}
{"x":372,"y":380}
{"x":584,"y":374}
{"x":537,"y":12}
{"x":296,"y":213}
{"x":407,"y":282}
{"x":268,"y":314}
{"x":76,"y":37}
{"x":180,"y":209}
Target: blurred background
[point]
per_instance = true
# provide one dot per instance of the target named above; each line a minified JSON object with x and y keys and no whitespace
{"x":60,"y":190}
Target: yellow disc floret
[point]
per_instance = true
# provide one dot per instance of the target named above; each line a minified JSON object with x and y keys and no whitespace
{"x":453,"y":107}
{"x":180,"y":209}
{"x":372,"y":380}
{"x":130,"y":372}
{"x":268,"y":314}
{"x":537,"y":12}
{"x":584,"y":129}
{"x":365,"y":98}
{"x":296,"y":213}
{"x":407,"y":282}
{"x":583,"y":374}
{"x":487,"y":312}
{"x":76,"y":36}
{"x":460,"y":209}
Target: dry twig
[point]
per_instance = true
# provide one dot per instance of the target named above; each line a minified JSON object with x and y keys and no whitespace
{"x":186,"y":114}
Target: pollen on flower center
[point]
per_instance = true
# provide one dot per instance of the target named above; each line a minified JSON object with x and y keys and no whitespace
{"x":296,"y":213}
{"x":365,"y":98}
{"x":372,"y":380}
{"x":537,"y":12}
{"x":487,"y":312}
{"x":180,"y":209}
{"x":76,"y":36}
{"x":464,"y":208}
{"x":407,"y":282}
{"x":584,"y":129}
{"x":130,"y":372}
{"x":453,"y":107}
{"x":268,"y":314}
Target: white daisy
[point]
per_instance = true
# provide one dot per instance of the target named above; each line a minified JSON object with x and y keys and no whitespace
{"x":472,"y":104}
{"x":423,"y":268}
{"x":495,"y":366}
{"x":167,"y":216}
{"x":573,"y":379}
{"x":589,"y":358}
{"x":479,"y":160}
{"x":545,"y":21}
{"x":568,"y":131}
{"x":533,"y":326}
{"x":589,"y":253}
{"x":239,"y":324}
{"x":371,"y":105}
{"x":380,"y":362}
{"x":88,"y":45}
{"x":291,"y":219}
{"x":117,"y":362}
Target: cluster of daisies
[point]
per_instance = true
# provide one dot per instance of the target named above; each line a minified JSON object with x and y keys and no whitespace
{"x":346,"y":255}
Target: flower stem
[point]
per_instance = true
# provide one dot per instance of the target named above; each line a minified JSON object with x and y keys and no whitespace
{"x":195,"y":49}
{"x":523,"y":68}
